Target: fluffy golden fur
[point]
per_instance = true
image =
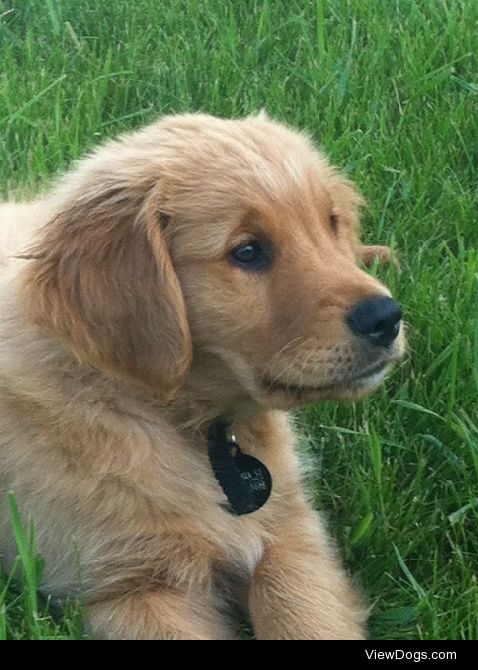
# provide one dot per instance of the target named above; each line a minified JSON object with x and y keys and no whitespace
{"x":125,"y":330}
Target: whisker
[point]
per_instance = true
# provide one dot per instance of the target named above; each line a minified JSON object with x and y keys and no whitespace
{"x":281,"y":352}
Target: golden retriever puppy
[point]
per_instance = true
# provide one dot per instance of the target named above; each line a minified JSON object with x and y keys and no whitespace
{"x":161,"y":310}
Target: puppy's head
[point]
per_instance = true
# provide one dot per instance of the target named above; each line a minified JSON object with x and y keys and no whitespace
{"x":231,"y":245}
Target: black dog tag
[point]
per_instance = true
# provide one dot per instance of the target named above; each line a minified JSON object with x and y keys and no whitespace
{"x":246,"y":482}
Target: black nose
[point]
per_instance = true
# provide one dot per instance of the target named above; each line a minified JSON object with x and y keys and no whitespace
{"x":378,"y":319}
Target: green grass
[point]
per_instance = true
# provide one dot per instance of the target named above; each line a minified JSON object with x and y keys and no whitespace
{"x":23,"y":614}
{"x":390,"y":89}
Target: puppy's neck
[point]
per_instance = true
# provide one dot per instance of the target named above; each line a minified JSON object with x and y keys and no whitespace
{"x":191,"y":413}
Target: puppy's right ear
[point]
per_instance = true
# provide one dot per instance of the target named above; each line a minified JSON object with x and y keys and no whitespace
{"x":102,"y":280}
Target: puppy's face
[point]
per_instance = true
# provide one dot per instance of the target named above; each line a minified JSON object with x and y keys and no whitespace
{"x":267,"y":255}
{"x":200,"y":245}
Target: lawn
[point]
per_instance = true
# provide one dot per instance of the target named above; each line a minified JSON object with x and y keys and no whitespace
{"x":390,"y":89}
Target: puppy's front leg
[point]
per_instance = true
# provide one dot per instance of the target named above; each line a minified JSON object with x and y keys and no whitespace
{"x":158,"y":615}
{"x":300,"y":591}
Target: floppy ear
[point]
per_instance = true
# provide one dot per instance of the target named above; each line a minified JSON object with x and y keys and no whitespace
{"x":350,"y":201}
{"x":101,"y":279}
{"x":369,"y":254}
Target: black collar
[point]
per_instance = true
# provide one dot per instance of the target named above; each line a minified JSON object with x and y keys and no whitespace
{"x":246,"y":482}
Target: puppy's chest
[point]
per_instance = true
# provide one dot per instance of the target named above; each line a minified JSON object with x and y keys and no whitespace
{"x":239,"y":539}
{"x":190,"y":493}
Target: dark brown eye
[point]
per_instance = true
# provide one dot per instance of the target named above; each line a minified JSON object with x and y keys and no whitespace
{"x":251,"y":256}
{"x":334,"y":223}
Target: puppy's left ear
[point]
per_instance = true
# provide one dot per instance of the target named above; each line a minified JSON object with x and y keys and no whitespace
{"x":101,"y":279}
{"x":349,"y":204}
{"x":369,"y":254}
